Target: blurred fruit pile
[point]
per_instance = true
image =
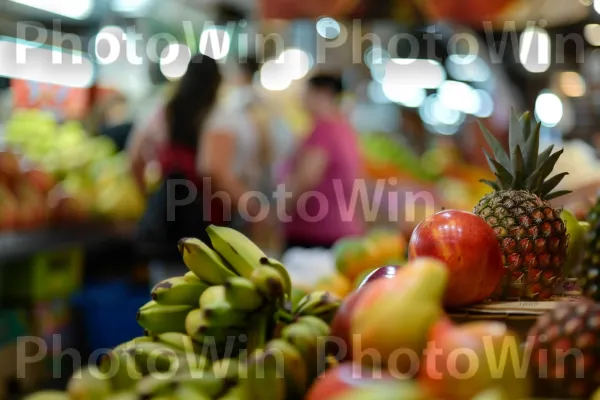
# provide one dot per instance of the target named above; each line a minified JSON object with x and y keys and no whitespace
{"x":454,"y":183}
{"x":357,"y":257}
{"x":53,"y":174}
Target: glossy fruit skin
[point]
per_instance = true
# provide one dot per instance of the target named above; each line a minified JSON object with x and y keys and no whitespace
{"x":343,"y":379}
{"x":341,"y":327}
{"x":442,"y":377}
{"x":381,"y":273}
{"x":468,"y":245}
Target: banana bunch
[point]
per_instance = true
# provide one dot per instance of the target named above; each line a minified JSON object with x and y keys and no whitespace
{"x":225,"y":330}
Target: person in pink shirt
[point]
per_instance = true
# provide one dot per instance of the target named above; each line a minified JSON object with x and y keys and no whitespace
{"x":323,"y":173}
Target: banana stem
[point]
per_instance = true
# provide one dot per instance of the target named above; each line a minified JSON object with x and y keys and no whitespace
{"x":258,"y":337}
{"x":285,"y":317}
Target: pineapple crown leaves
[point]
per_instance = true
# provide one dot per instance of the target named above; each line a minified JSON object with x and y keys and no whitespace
{"x":523,"y":168}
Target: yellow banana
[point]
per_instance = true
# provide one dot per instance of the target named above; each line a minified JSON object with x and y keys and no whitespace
{"x":204,"y":262}
{"x":242,"y":294}
{"x":178,"y":291}
{"x":226,"y":368}
{"x":238,"y":250}
{"x":269,"y":282}
{"x":162,"y":319}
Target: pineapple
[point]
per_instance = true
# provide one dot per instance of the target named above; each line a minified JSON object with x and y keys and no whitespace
{"x":530,"y":232}
{"x":565,"y":351}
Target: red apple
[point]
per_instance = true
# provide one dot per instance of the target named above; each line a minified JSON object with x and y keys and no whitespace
{"x":39,"y":179}
{"x":381,"y":273}
{"x":468,"y":245}
{"x":344,"y":379}
{"x":340,"y":327}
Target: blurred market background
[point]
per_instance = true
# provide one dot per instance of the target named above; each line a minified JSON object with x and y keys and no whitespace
{"x":69,"y":264}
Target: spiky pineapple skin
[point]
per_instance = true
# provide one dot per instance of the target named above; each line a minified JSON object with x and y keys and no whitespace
{"x":564,"y":343}
{"x":533,"y":240}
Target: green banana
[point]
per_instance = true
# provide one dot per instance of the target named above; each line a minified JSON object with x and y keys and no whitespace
{"x":48,"y":395}
{"x":178,"y":291}
{"x":156,"y":357}
{"x":192,"y":277}
{"x":265,"y":378}
{"x":213,"y":294}
{"x":319,"y":327}
{"x":152,"y":387}
{"x":302,"y":337}
{"x":224,"y":315}
{"x":179,"y":341}
{"x":269,"y":282}
{"x":323,"y":305}
{"x":242,"y":294}
{"x":226,"y":368}
{"x":235,"y":393}
{"x":209,"y":384}
{"x":129,"y":395}
{"x":162,"y":319}
{"x":188,"y":392}
{"x":201,"y":330}
{"x":271,"y":262}
{"x":204,"y":262}
{"x":149,"y":305}
{"x":238,"y":250}
{"x":122,"y":369}
{"x":89,"y":383}
{"x":294,"y":368}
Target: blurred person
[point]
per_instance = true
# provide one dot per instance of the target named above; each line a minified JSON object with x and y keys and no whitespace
{"x":328,"y":164}
{"x":110,"y":118}
{"x":191,"y":138}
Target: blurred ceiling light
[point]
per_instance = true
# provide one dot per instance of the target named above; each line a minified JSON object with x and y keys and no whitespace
{"x":375,"y":56}
{"x":535,"y":49}
{"x":376,"y":93}
{"x":458,"y":96}
{"x":174,"y":61}
{"x":298,"y":62}
{"x":419,"y":73}
{"x":597,"y":6}
{"x":549,"y":109}
{"x":407,"y":96}
{"x":486,"y":104}
{"x":434,"y":113}
{"x":328,"y":28}
{"x":274,"y":76}
{"x":76,"y":9}
{"x":474,"y":71}
{"x":591,"y":32}
{"x":215,"y":42}
{"x":108,"y":35}
{"x":572,"y":84}
{"x":40,"y":64}
{"x":129,"y":6}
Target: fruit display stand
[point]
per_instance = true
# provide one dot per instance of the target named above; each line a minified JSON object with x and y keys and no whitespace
{"x":518,"y":316}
